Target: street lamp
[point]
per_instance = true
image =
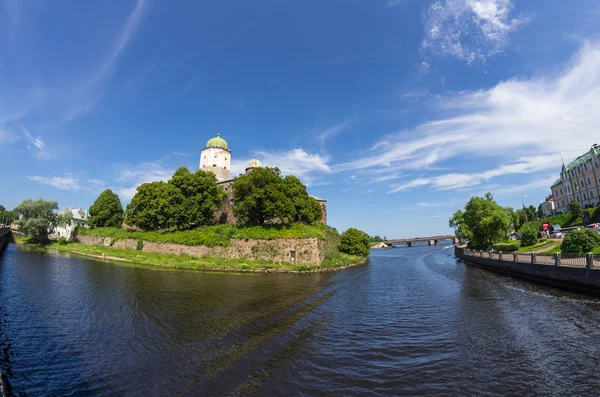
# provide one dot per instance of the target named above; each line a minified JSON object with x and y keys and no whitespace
{"x":525,"y":212}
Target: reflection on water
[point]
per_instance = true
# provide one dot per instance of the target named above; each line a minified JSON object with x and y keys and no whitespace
{"x":412,"y":322}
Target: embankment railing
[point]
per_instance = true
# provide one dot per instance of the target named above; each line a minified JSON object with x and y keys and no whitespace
{"x":588,"y":261}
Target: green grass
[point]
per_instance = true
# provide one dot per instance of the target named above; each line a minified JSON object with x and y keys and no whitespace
{"x":565,"y":220}
{"x":214,"y":235}
{"x":541,"y":244}
{"x":185,"y":261}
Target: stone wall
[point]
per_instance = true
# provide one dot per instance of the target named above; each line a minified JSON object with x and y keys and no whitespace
{"x":5,"y":238}
{"x":307,"y":251}
{"x":574,"y":279}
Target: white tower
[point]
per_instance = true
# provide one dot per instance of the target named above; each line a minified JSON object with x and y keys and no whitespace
{"x":216,"y":158}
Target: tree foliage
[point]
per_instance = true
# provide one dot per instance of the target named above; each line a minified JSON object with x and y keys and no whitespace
{"x":355,"y":242}
{"x":106,"y":211}
{"x":201,"y":193}
{"x":483,"y":222}
{"x":188,"y":200}
{"x":575,"y":209}
{"x":376,"y":239}
{"x":155,"y":205}
{"x":529,"y":237}
{"x":263,"y":195}
{"x":8,"y":217}
{"x":39,"y":219}
{"x":580,"y":241}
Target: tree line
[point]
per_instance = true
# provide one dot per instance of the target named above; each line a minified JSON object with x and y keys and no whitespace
{"x":484,"y":223}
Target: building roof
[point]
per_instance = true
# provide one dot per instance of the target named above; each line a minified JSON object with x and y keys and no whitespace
{"x":217,"y":142}
{"x":558,"y":182}
{"x":78,"y":214}
{"x":254,"y":163}
{"x":584,"y":158}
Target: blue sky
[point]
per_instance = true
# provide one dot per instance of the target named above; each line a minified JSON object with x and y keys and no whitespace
{"x":396,"y":111}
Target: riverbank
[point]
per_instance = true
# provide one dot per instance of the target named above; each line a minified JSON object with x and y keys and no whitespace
{"x":578,"y":273}
{"x":333,"y":260}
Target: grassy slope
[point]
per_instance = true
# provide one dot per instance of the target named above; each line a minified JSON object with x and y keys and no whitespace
{"x":564,"y":220}
{"x":184,"y":261}
{"x":214,"y":235}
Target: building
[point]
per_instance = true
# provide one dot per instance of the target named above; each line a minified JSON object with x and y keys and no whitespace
{"x":79,"y":219}
{"x":579,"y":180}
{"x":215,"y":157}
{"x":548,"y":207}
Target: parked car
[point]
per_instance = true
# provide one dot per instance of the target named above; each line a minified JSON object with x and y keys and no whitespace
{"x":556,"y":234}
{"x":594,"y":226}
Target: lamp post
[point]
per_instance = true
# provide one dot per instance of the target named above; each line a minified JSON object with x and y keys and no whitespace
{"x":525,"y":212}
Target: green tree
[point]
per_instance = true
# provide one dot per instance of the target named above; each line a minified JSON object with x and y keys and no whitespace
{"x":106,"y":211}
{"x":483,"y":222}
{"x":515,"y":217}
{"x":261,"y":196}
{"x":529,"y":238}
{"x":39,"y":219}
{"x":202,"y":196}
{"x":376,"y":239}
{"x":540,"y":212}
{"x":575,"y":209}
{"x":8,"y":217}
{"x":156,"y":206}
{"x":355,"y":242}
{"x":580,"y":241}
{"x":307,"y":209}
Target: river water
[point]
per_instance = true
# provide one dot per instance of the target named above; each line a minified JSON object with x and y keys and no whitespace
{"x":412,"y":322}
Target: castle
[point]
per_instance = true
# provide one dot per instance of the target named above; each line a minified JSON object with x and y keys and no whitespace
{"x":215,"y":157}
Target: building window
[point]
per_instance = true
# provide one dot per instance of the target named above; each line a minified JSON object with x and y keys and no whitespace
{"x":576,"y":187}
{"x":591,"y":194}
{"x":560,"y":192}
{"x":584,"y":196}
{"x":582,"y":184}
{"x":589,"y":181}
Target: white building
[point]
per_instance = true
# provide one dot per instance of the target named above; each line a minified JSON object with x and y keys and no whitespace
{"x":548,"y":207}
{"x":79,"y":219}
{"x":216,"y":158}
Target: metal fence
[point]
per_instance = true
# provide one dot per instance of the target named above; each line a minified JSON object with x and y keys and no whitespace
{"x":567,"y":260}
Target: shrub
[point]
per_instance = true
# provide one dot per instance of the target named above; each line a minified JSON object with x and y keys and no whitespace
{"x":355,"y":242}
{"x":140,"y":245}
{"x":580,"y":241}
{"x":62,"y":241}
{"x":507,"y":247}
{"x":529,"y":237}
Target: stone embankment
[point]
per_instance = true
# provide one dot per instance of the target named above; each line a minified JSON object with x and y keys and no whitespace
{"x":579,"y":273}
{"x":305,"y":251}
{"x":5,"y":238}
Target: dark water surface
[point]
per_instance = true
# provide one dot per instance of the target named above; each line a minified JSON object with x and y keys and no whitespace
{"x":413,"y":321}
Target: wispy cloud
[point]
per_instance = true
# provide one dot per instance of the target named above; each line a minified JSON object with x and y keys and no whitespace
{"x":503,"y":125}
{"x":470,"y":30}
{"x":36,"y":142}
{"x":89,"y":91}
{"x":65,"y":182}
{"x":180,"y":154}
{"x":332,"y":131}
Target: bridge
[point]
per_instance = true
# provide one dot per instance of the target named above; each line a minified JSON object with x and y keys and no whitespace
{"x":5,"y":238}
{"x":431,"y":240}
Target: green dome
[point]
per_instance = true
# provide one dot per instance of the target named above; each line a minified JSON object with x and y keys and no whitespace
{"x":217,"y":142}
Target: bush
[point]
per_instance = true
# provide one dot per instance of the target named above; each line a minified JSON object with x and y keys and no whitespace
{"x":506,"y":247}
{"x":63,"y":241}
{"x":580,"y":241}
{"x":355,"y":242}
{"x":529,"y":238}
{"x":140,"y":245}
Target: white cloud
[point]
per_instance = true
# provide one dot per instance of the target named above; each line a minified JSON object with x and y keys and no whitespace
{"x":470,"y":30}
{"x":306,"y":166}
{"x":504,"y":125}
{"x":65,"y":182}
{"x":37,"y":142}
{"x":394,"y":3}
{"x":130,"y":177}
